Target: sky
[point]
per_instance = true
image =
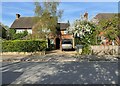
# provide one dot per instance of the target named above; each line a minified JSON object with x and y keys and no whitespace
{"x":72,"y":10}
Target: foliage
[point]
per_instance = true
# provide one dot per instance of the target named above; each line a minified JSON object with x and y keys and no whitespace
{"x":85,"y":32}
{"x":5,"y":26}
{"x":20,"y":35}
{"x":86,"y":50}
{"x":112,"y":34}
{"x":77,"y":41}
{"x":46,"y":16}
{"x":13,"y":35}
{"x":3,"y":30}
{"x":23,"y":46}
{"x":4,"y":33}
{"x":110,"y":27}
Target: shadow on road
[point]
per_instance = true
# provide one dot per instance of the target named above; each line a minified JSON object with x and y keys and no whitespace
{"x":83,"y":73}
{"x":9,"y":76}
{"x":61,"y":73}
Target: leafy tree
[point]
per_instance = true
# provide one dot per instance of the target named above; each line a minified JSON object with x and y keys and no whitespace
{"x":11,"y":33}
{"x":5,"y":26}
{"x":85,"y":32}
{"x":4,"y":33}
{"x":46,"y":16}
{"x":25,"y":33}
{"x":110,"y":27}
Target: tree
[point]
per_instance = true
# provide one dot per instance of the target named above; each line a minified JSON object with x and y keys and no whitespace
{"x":11,"y":33}
{"x":85,"y":32}
{"x":4,"y":29}
{"x":46,"y":16}
{"x":110,"y":27}
{"x":4,"y":34}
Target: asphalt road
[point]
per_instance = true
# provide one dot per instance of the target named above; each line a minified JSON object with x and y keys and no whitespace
{"x":60,"y":73}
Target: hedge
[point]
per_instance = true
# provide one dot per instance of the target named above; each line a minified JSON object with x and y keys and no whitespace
{"x":23,"y":45}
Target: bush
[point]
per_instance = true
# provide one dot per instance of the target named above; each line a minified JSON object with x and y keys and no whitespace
{"x":14,"y":36}
{"x":23,"y":46}
{"x":78,"y":41}
{"x":86,"y":50}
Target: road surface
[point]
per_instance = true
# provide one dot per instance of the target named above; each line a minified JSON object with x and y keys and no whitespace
{"x":60,"y":73}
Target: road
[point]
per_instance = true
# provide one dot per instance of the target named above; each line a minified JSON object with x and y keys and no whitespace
{"x":60,"y":73}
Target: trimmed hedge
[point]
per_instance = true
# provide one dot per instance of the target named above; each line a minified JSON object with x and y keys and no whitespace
{"x":23,"y":46}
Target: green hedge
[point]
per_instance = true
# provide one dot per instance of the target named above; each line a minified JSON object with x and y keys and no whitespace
{"x":23,"y":45}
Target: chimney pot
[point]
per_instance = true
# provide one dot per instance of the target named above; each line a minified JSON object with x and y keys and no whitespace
{"x":17,"y":16}
{"x":86,"y":16}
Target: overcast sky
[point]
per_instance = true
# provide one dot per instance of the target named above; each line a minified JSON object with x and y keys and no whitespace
{"x":72,"y":10}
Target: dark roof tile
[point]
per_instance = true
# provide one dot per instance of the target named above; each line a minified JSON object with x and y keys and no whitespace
{"x":63,"y":26}
{"x":29,"y":22}
{"x":23,"y":22}
{"x":105,"y":15}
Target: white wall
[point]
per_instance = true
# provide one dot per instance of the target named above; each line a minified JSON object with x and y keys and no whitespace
{"x":21,"y":30}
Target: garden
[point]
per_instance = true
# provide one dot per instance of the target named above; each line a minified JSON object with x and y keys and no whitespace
{"x":88,"y":34}
{"x":85,"y":32}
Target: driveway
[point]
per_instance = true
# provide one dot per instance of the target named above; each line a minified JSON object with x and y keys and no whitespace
{"x":60,"y":73}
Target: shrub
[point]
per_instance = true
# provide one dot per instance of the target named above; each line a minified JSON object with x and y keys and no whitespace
{"x":86,"y":50}
{"x":14,"y":36}
{"x":23,"y":46}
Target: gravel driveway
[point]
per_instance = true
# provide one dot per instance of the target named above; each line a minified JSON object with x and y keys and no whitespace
{"x":60,"y":73}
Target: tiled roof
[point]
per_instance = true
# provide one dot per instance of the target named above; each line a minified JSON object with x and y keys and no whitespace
{"x":23,"y":22}
{"x":63,"y":26}
{"x":105,"y":15}
{"x":29,"y":22}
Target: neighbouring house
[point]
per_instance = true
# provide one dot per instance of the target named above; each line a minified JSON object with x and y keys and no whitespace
{"x":3,"y":32}
{"x":26,"y":23}
{"x":100,"y":16}
{"x":96,"y":20}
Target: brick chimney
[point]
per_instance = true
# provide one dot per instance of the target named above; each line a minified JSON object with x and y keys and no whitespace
{"x":86,"y":16}
{"x":17,"y":16}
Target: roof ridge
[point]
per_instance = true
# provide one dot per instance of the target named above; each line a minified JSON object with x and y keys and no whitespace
{"x":107,"y":13}
{"x":27,"y":17}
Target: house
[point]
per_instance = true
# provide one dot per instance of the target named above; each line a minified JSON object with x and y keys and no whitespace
{"x":100,"y":16}
{"x":23,"y":23}
{"x":26,"y":23}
